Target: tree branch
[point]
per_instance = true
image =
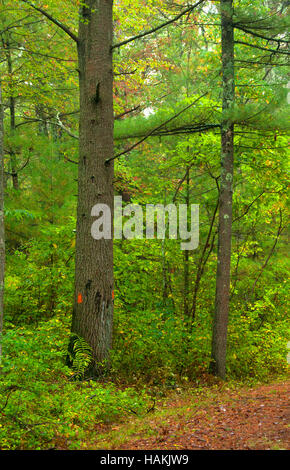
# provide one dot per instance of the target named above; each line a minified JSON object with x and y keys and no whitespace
{"x":260,"y":35}
{"x":275,"y":51}
{"x":119,"y":116}
{"x":60,"y":124}
{"x":53,"y":20}
{"x":182,"y":181}
{"x":154,"y":130}
{"x":248,"y":207}
{"x":153,"y":30}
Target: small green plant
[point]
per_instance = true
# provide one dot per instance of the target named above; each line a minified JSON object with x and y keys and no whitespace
{"x":81,"y":356}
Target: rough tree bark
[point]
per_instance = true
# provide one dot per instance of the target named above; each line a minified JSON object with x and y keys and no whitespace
{"x":2,"y":231}
{"x":13,"y":159}
{"x":92,"y":317}
{"x":186,"y":256}
{"x":93,"y":303}
{"x":219,"y":340}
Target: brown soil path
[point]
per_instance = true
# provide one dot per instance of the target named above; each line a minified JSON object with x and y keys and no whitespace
{"x":256,"y":418}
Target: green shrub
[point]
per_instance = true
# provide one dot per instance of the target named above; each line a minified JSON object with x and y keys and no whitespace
{"x":40,"y":406}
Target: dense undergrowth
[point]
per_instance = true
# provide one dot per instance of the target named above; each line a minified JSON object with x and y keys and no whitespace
{"x":44,"y":404}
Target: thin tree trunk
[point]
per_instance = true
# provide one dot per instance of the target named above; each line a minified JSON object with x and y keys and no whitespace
{"x":165,"y":275}
{"x":2,"y":231}
{"x":93,"y":303}
{"x":280,"y":230}
{"x":13,"y":159}
{"x":219,"y":340}
{"x":186,"y":256}
{"x":43,"y":126}
{"x":202,"y":262}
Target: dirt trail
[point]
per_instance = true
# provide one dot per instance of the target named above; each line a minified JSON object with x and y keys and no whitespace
{"x":255,"y":418}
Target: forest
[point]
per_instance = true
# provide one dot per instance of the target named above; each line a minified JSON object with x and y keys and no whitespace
{"x":118,"y":332}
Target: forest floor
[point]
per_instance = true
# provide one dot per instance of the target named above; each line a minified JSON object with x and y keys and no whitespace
{"x":214,"y":418}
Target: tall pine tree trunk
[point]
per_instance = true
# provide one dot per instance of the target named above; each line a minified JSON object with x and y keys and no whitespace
{"x":2,"y":232}
{"x":219,"y":341}
{"x":93,"y":303}
{"x":186,"y":256}
{"x":13,"y":159}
